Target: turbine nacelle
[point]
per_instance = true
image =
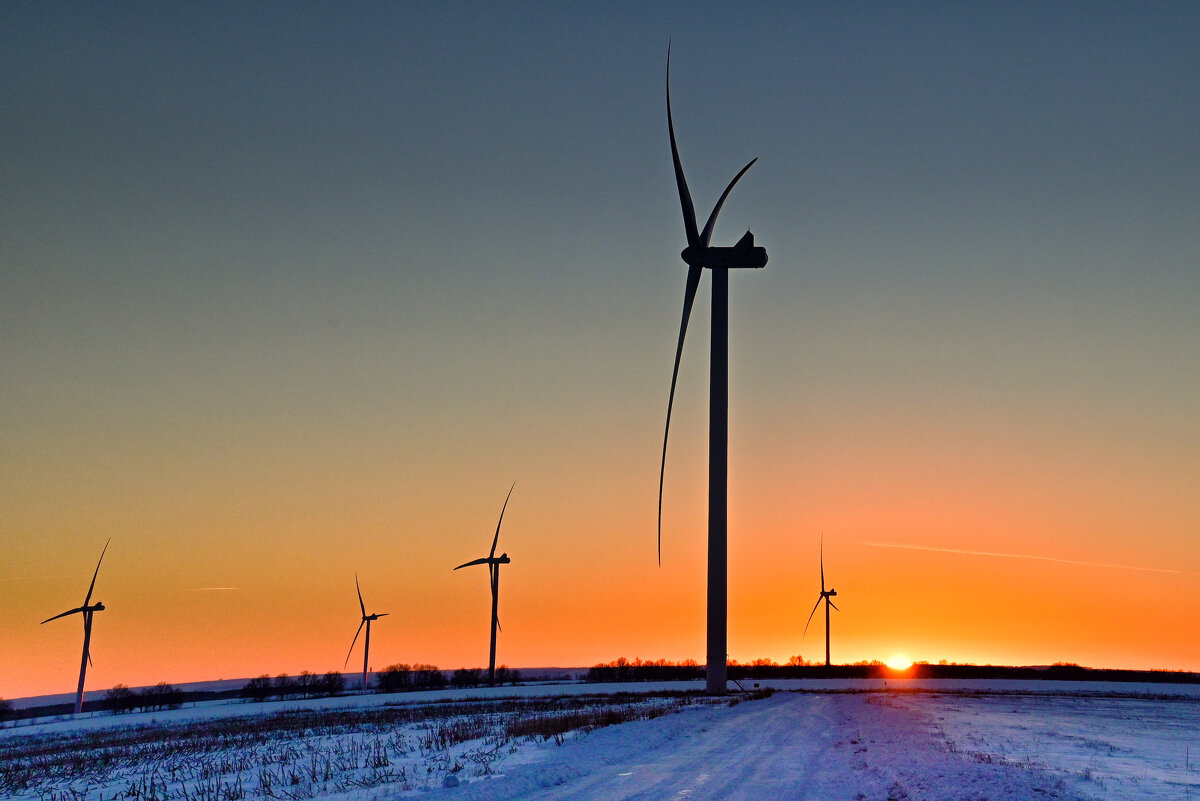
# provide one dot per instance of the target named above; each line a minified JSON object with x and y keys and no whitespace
{"x":743,"y":254}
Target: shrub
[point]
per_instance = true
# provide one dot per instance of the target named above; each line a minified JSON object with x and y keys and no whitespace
{"x":307,"y":684}
{"x":395,"y":678}
{"x":120,"y":699}
{"x":467,"y":677}
{"x":282,"y":686}
{"x":160,"y":696}
{"x":332,"y":683}
{"x":257,"y":689}
{"x":427,"y":677}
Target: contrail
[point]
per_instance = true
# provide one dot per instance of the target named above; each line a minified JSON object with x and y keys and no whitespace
{"x":1020,"y":556}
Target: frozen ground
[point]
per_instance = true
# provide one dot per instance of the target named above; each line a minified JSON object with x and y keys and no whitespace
{"x":976,"y":741}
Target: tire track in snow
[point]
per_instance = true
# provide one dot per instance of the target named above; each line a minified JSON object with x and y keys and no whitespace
{"x":784,"y":746}
{"x":806,"y":747}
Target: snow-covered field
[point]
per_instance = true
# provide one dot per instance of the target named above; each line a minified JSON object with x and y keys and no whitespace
{"x":844,"y":739}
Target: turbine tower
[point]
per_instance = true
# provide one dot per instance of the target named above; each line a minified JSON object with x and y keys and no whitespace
{"x":366,"y":621}
{"x":87,"y":612}
{"x":698,"y":255}
{"x":493,"y":562}
{"x":824,"y":596}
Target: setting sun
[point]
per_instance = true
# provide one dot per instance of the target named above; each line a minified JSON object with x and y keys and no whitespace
{"x":899,"y":662}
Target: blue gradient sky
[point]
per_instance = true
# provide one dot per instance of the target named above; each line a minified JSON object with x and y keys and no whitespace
{"x":289,"y":291}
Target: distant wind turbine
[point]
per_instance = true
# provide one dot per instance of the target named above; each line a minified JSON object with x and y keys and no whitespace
{"x":824,"y":596}
{"x":493,"y":562}
{"x":366,"y":621}
{"x":87,"y":612}
{"x":697,"y":255}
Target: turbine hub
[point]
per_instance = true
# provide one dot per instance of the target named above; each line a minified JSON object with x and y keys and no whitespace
{"x":692,"y":256}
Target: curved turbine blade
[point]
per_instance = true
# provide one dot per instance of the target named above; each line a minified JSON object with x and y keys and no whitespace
{"x":831,"y":603}
{"x":496,"y":539}
{"x":822,"y":563}
{"x":712,"y":218}
{"x":381,"y":614}
{"x":810,"y":614}
{"x":352,"y":642}
{"x":64,"y":614}
{"x":689,"y":298}
{"x":361,"y":605}
{"x":92,"y":586}
{"x":481,"y":561}
{"x":685,"y":197}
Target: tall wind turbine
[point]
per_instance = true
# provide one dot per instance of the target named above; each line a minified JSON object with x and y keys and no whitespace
{"x":87,"y":612}
{"x":824,"y":596}
{"x":493,"y":562}
{"x":366,"y":621}
{"x":697,"y":255}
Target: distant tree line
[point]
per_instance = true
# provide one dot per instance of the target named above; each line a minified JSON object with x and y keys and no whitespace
{"x":283,"y":686}
{"x":796,"y":667}
{"x":402,"y":677}
{"x":622,"y":669}
{"x":120,"y":699}
{"x":473,"y":677}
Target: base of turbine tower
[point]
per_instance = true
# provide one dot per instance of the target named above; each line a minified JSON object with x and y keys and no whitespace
{"x":715,"y":681}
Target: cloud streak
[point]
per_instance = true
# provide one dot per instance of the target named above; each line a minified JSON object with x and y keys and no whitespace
{"x":965,"y":552}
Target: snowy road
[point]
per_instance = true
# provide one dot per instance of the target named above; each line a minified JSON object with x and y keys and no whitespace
{"x":763,"y":749}
{"x":793,"y":746}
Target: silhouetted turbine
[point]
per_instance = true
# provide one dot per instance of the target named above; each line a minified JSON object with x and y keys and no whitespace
{"x":493,"y":562}
{"x":366,"y":621}
{"x":697,"y":255}
{"x":87,"y":612}
{"x":824,"y":596}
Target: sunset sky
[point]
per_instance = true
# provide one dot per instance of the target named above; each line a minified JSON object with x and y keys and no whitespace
{"x":290,"y":291}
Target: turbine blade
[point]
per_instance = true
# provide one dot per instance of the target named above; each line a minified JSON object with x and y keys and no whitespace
{"x":64,"y":614}
{"x":685,"y":197}
{"x":689,"y":298}
{"x":498,"y":628}
{"x":482,"y":561}
{"x":822,"y":563}
{"x":712,"y":218}
{"x":831,"y":603}
{"x":361,"y":605}
{"x":496,"y":539}
{"x":352,"y":643}
{"x":92,"y":586}
{"x":810,"y":614}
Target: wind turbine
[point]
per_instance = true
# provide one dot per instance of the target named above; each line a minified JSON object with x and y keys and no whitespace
{"x":824,"y":596}
{"x":366,"y":621}
{"x":697,"y":255}
{"x":493,"y":562}
{"x":87,"y":612}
